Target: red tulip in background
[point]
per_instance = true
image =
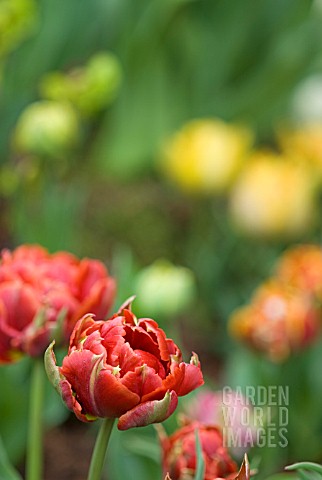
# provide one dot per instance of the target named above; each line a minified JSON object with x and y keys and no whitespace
{"x":243,"y":474}
{"x":179,"y":453}
{"x":41,"y":293}
{"x":122,"y":368}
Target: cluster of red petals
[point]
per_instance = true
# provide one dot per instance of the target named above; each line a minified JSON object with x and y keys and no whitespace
{"x":122,"y":368}
{"x":179,"y":453}
{"x":37,"y":289}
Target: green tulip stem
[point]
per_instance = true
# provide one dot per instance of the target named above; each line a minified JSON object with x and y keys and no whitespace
{"x":34,"y":445}
{"x":99,"y":452}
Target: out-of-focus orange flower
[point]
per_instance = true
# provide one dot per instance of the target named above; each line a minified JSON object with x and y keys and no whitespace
{"x":278,"y":321}
{"x":206,"y":155}
{"x":273,"y":197}
{"x":301,"y":267}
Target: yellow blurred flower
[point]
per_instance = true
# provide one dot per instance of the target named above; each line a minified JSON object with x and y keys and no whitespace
{"x":46,"y":128}
{"x":301,"y":267}
{"x":273,"y":197}
{"x":304,"y":143}
{"x":278,"y":321}
{"x":206,"y":155}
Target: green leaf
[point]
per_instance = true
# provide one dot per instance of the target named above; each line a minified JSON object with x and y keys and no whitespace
{"x":310,"y":466}
{"x":7,"y":471}
{"x":200,"y":471}
{"x":283,"y":476}
{"x":143,"y":447}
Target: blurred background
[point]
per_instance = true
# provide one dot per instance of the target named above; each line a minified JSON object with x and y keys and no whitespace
{"x":179,"y":141}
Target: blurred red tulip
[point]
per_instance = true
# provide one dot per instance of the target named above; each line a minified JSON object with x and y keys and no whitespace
{"x":41,"y":293}
{"x":243,"y":474}
{"x":179,"y":453}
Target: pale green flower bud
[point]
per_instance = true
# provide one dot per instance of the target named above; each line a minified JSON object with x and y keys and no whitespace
{"x":46,"y":128}
{"x":164,"y":289}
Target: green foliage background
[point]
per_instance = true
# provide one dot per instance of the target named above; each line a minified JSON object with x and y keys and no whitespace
{"x":239,"y":60}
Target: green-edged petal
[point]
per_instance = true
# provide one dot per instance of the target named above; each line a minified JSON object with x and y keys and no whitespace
{"x":146,"y":413}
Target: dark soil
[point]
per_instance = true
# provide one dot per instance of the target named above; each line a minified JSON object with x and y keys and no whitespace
{"x":67,"y":451}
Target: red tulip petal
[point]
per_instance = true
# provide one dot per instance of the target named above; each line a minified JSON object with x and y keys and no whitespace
{"x":128,"y":361}
{"x":99,"y":300}
{"x":138,"y":337}
{"x":21,"y":303}
{"x":72,"y":403}
{"x":90,"y":271}
{"x":142,"y":381}
{"x":151,"y":361}
{"x":62,"y":386}
{"x":192,"y":377}
{"x":112,"y":397}
{"x":152,"y":327}
{"x":172,"y":382}
{"x":78,"y":334}
{"x":113,"y":333}
{"x":149,"y":412}
{"x":244,"y":472}
{"x":81,"y":369}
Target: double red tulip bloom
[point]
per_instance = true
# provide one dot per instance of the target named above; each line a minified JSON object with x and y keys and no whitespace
{"x":122,"y":368}
{"x":40,"y":293}
{"x":179,"y":453}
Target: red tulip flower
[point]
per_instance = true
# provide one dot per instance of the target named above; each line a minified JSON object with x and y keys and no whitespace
{"x":179,"y":453}
{"x":122,"y":368}
{"x":41,"y":293}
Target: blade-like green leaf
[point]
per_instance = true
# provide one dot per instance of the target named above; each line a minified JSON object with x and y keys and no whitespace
{"x":310,"y":466}
{"x":200,"y":471}
{"x":7,"y":471}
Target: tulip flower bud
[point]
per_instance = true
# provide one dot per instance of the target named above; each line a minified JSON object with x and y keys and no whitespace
{"x":122,"y":368}
{"x":165,"y":289}
{"x":46,"y":128}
